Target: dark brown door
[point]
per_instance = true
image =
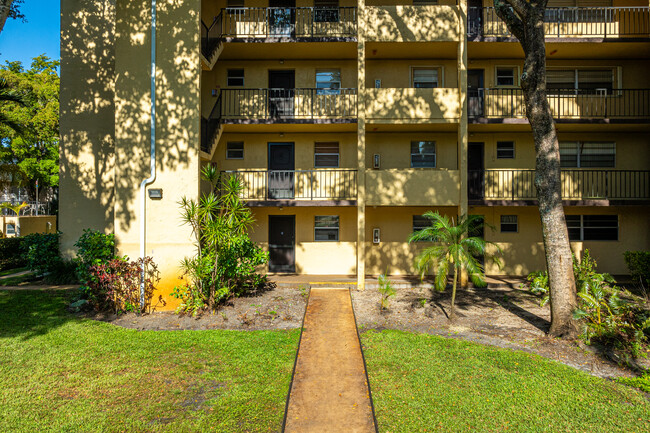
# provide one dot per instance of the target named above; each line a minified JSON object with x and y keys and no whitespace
{"x":281,"y":93}
{"x":475,"y":171}
{"x":475,"y":18}
{"x":281,"y":171}
{"x":282,"y":18}
{"x":282,"y":240}
{"x":475,"y":93}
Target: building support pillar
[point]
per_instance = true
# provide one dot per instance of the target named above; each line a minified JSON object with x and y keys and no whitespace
{"x":361,"y":147}
{"x":462,"y":121}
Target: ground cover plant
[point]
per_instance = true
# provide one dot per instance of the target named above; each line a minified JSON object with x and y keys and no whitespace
{"x":422,"y":383}
{"x":64,"y":373}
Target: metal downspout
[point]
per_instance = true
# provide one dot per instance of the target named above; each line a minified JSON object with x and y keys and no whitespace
{"x":152,"y":160}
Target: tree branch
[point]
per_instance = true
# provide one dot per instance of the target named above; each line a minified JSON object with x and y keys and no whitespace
{"x":513,"y":17}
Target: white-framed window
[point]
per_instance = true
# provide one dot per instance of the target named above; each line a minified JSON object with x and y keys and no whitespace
{"x":326,"y":228}
{"x":509,"y":224}
{"x":591,"y":81}
{"x":587,"y":154}
{"x":425,"y":77}
{"x":592,"y":227}
{"x":326,"y":155}
{"x":328,"y":81}
{"x":505,"y":149}
{"x":506,"y":76}
{"x":235,"y":78}
{"x":423,"y":154}
{"x":235,"y":150}
{"x":11,"y":229}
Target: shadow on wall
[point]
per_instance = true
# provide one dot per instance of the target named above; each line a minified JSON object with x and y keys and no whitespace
{"x":105,"y":109}
{"x":405,"y":23}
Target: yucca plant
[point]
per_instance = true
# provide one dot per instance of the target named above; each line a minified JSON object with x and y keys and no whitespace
{"x":455,"y":247}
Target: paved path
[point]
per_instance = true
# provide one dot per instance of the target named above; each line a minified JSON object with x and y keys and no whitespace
{"x":330,"y":390}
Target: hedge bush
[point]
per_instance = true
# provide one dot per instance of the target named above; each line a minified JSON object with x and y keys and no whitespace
{"x":638,"y":262}
{"x":11,"y":253}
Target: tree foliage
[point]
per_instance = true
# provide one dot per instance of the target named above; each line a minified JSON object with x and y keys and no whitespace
{"x":31,"y":152}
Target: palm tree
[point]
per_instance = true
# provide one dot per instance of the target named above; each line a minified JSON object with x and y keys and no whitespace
{"x":455,"y":246}
{"x":7,"y":94}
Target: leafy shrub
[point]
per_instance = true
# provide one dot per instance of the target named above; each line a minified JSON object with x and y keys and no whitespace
{"x":115,"y":285}
{"x":62,"y":272}
{"x":607,"y":314}
{"x":42,"y":252}
{"x":387,"y":291}
{"x":226,"y":259}
{"x":12,"y":254}
{"x":643,"y":382}
{"x":638,"y":263}
{"x":93,"y":248}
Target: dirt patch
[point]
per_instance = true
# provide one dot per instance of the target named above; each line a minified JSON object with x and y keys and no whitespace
{"x":280,"y":308}
{"x":506,"y":317}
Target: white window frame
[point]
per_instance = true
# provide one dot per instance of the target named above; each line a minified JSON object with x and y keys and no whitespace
{"x":441,"y":75}
{"x":236,"y":150}
{"x":514,"y":149}
{"x":578,"y":149}
{"x":13,"y":229}
{"x":515,"y":76}
{"x":515,"y":223}
{"x":616,"y":77}
{"x":337,"y":228}
{"x":582,"y":229}
{"x":317,"y":154}
{"x":435,"y":158}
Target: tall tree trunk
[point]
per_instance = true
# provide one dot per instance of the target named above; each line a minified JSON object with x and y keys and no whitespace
{"x":525,"y":20}
{"x":5,"y":7}
{"x":452,"y":314}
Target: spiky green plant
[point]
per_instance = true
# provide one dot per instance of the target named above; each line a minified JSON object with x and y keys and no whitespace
{"x":455,"y":246}
{"x":387,"y":291}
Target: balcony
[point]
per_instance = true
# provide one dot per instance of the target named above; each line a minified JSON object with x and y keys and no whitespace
{"x":297,"y":187}
{"x":580,"y":22}
{"x":411,"y":23}
{"x":567,"y":105}
{"x":413,"y":187}
{"x":577,"y":185}
{"x":408,"y":105}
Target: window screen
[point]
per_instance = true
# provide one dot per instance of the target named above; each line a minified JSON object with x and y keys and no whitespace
{"x":505,"y":149}
{"x":506,"y":76}
{"x":596,"y":80}
{"x":11,"y":229}
{"x":587,"y":154}
{"x":326,"y":228}
{"x":235,"y":77}
{"x":328,"y":81}
{"x":509,"y":224}
{"x":420,"y":222}
{"x":423,"y":154}
{"x":559,"y":81}
{"x":326,"y":155}
{"x":425,"y":78}
{"x":235,"y":150}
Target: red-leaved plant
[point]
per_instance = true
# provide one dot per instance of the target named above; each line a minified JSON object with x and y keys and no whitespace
{"x":116,"y":284}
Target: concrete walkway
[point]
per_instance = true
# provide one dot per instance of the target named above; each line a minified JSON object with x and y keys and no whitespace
{"x":330,"y":391}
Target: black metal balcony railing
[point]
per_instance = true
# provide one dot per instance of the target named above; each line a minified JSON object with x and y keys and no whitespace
{"x":288,"y":104}
{"x":211,"y":36}
{"x":499,"y":103}
{"x":293,"y":22}
{"x":604,"y":22}
{"x":324,"y":184}
{"x":210,"y":126}
{"x":577,"y":184}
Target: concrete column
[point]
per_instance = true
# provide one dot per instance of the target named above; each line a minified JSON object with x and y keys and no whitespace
{"x":361,"y":148}
{"x":462,"y":124}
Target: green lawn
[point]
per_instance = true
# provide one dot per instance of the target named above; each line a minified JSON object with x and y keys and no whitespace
{"x":426,"y":383}
{"x":12,"y":271}
{"x":59,"y":373}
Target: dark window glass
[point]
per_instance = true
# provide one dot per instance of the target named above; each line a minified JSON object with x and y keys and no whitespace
{"x":505,"y":76}
{"x":505,"y":149}
{"x":423,"y":154}
{"x":509,"y":224}
{"x":326,"y":11}
{"x":573,"y":225}
{"x":235,"y":150}
{"x":235,"y":77}
{"x":326,"y":155}
{"x":600,"y":227}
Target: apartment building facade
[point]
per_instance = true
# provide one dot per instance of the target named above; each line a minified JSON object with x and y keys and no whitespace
{"x":346,"y":121}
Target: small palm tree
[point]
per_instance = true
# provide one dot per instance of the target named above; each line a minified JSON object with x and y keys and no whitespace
{"x":455,"y":246}
{"x":16,"y":208}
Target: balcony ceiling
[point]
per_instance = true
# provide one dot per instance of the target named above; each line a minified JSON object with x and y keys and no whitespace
{"x":562,"y":50}
{"x":289,"y":50}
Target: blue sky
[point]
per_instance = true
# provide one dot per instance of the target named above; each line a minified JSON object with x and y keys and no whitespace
{"x":39,"y":35}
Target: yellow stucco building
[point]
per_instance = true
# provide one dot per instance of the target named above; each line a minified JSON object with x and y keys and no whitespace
{"x":346,"y":121}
